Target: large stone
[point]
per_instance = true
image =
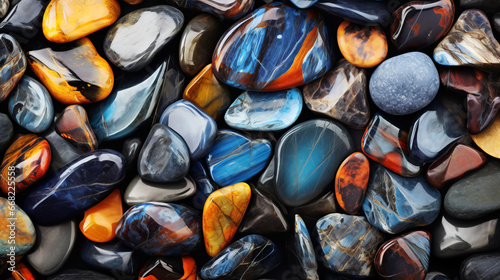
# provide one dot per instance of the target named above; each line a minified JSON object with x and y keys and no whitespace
{"x":24,"y":18}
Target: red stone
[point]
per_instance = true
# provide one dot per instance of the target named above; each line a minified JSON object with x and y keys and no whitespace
{"x":351,"y":181}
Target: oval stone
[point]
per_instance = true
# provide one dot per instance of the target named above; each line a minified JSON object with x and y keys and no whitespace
{"x":140,"y":191}
{"x":12,"y":64}
{"x":160,"y":229}
{"x":76,"y":187}
{"x":134,"y":40}
{"x":24,"y":230}
{"x":73,"y":124}
{"x":305,"y":157}
{"x":294,"y":43}
{"x":351,"y":182}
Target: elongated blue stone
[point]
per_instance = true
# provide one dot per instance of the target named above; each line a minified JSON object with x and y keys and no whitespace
{"x":303,"y":252}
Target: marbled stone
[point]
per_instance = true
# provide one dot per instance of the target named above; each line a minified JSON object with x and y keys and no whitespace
{"x":351,"y":182}
{"x":481,"y":266}
{"x":73,"y":124}
{"x":228,"y":9}
{"x":318,"y":208}
{"x":222,"y":215}
{"x":164,"y":156}
{"x":245,"y":259}
{"x":195,"y":127}
{"x":23,"y":229}
{"x":404,"y":257}
{"x":394,"y":203}
{"x":80,"y":275}
{"x":111,"y":256}
{"x":204,"y":186}
{"x":294,"y":43}
{"x":169,"y":268}
{"x":12,"y":63}
{"x":404,"y":84}
{"x":363,"y":46}
{"x":134,"y":40}
{"x":24,"y":163}
{"x":160,"y":229}
{"x":66,"y":21}
{"x":469,"y":43}
{"x":55,"y":244}
{"x":268,"y":111}
{"x":306,"y":156}
{"x":347,"y":244}
{"x":485,"y":5}
{"x":459,"y":160}
{"x":172,"y":87}
{"x":73,"y":73}
{"x":235,"y":158}
{"x":24,"y":18}
{"x":61,"y":150}
{"x":417,"y":25}
{"x":7,"y":131}
{"x":364,"y":12}
{"x":30,"y":105}
{"x":140,"y":191}
{"x":302,"y":252}
{"x":386,"y":144}
{"x":486,"y":139}
{"x":75,"y":188}
{"x":198,"y":43}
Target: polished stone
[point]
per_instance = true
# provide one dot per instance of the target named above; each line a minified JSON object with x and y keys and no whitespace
{"x":62,"y":152}
{"x":222,"y":215}
{"x":23,"y":230}
{"x":347,"y":244}
{"x":245,"y":259}
{"x":302,"y":252}
{"x":364,"y":12}
{"x":268,"y":111}
{"x":73,"y":73}
{"x":136,"y":38}
{"x":351,"y":182}
{"x":13,"y":64}
{"x":7,"y":131}
{"x":303,"y":4}
{"x":204,"y":186}
{"x":195,"y":127}
{"x":481,"y":266}
{"x":294,"y":43}
{"x":482,"y":109}
{"x":417,"y":25}
{"x":80,"y":275}
{"x":140,"y":191}
{"x":24,"y":18}
{"x":26,"y":161}
{"x":164,"y":157}
{"x":363,"y":46}
{"x":160,"y":229}
{"x":306,"y":156}
{"x":486,"y":139}
{"x":30,"y":105}
{"x":394,"y":203}
{"x":169,"y":268}
{"x":75,"y":188}
{"x":229,"y":9}
{"x":172,"y":88}
{"x":404,"y":84}
{"x":73,"y":124}
{"x":318,"y":208}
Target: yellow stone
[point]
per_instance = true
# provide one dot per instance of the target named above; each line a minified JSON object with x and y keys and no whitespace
{"x":488,"y":140}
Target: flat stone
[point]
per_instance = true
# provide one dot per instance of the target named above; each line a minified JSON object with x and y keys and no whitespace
{"x":24,"y":18}
{"x":364,"y":12}
{"x":73,"y":124}
{"x":169,"y":268}
{"x":140,"y":191}
{"x":111,"y":256}
{"x":13,"y":64}
{"x":302,"y":252}
{"x":481,"y":266}
{"x":204,"y":186}
{"x":24,"y":230}
{"x":230,"y":10}
{"x":351,"y":182}
{"x":485,"y":140}
{"x":7,"y":131}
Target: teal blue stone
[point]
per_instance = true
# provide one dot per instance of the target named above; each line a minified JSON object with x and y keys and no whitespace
{"x":307,"y":157}
{"x":265,"y":111}
{"x":235,"y":158}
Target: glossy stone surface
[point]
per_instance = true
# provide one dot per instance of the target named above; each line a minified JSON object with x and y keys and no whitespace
{"x":363,"y":46}
{"x":348,"y":244}
{"x":485,"y":139}
{"x":469,"y":43}
{"x":248,"y":258}
{"x":130,"y":105}
{"x":386,"y":144}
{"x":481,"y":266}
{"x":30,"y":105}
{"x":404,"y":257}
{"x":229,"y":9}
{"x":394,"y":203}
{"x":12,"y":63}
{"x":198,"y":43}
{"x":62,"y":152}
{"x":351,"y":182}
{"x":222,"y":215}
{"x":454,"y":164}
{"x":417,"y":25}
{"x":208,"y":94}
{"x":195,"y":127}
{"x":21,"y":271}
{"x":134,"y":40}
{"x":24,"y":18}
{"x":131,"y":150}
{"x":169,"y":268}
{"x":65,"y":21}
{"x":7,"y":131}
{"x":140,"y":191}
{"x":164,"y":157}
{"x":55,"y":244}
{"x":364,"y":12}
{"x":318,"y":208}
{"x":100,"y":221}
{"x":404,"y":84}
{"x":73,"y":124}
{"x":30,"y":157}
{"x":111,"y":256}
{"x":24,"y":230}
{"x":204,"y":186}
{"x":160,"y":229}
{"x":302,"y":251}
{"x":235,"y":158}
{"x":294,"y":43}
{"x":305,"y":157}
{"x":75,"y":188}
{"x":73,"y":73}
{"x":80,"y":274}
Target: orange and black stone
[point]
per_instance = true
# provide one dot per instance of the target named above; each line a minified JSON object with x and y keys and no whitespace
{"x":351,"y":182}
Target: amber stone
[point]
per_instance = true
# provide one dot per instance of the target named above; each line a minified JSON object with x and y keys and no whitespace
{"x":30,"y":155}
{"x":73,"y":124}
{"x":487,"y":140}
{"x":22,"y":272}
{"x":363,"y":46}
{"x":12,"y":64}
{"x":454,"y":164}
{"x":100,"y":221}
{"x":351,"y":182}
{"x":75,"y":74}
{"x":222,"y":214}
{"x":207,"y":93}
{"x":169,"y":268}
